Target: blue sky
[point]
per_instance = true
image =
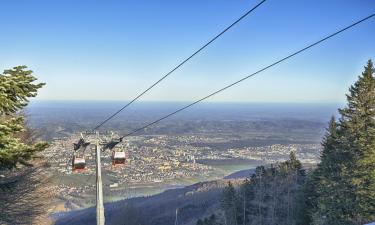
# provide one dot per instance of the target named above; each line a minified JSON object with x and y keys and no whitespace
{"x":112,"y":50}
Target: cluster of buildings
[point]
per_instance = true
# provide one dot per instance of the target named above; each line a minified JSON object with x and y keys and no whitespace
{"x":306,"y":153}
{"x":159,"y":159}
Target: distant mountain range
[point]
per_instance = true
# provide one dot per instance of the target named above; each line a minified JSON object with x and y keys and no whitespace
{"x":56,"y":119}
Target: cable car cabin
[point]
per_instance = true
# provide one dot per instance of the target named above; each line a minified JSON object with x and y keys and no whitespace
{"x":78,"y":164}
{"x":118,"y":158}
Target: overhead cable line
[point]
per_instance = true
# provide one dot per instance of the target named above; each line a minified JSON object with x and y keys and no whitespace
{"x":253,"y":74}
{"x":179,"y":65}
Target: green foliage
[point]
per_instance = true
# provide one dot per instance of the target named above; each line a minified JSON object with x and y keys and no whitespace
{"x":16,"y":86}
{"x":342,"y":188}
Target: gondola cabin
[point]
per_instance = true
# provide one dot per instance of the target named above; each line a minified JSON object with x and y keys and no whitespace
{"x":78,"y":164}
{"x":118,"y":158}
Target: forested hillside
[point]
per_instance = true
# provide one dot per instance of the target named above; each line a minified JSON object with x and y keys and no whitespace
{"x":271,"y":196}
{"x":192,"y":202}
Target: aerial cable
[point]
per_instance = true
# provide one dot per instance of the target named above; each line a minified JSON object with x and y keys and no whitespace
{"x":179,"y":65}
{"x":251,"y":75}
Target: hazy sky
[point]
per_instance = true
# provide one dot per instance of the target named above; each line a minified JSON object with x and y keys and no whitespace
{"x":112,"y":50}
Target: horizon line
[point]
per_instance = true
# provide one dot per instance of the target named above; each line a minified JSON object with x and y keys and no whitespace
{"x":171,"y":101}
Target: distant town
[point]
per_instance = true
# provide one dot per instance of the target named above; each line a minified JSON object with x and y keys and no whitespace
{"x":156,"y":160}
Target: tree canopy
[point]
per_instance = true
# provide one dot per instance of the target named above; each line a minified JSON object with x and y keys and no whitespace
{"x":16,"y":87}
{"x":344,"y":182}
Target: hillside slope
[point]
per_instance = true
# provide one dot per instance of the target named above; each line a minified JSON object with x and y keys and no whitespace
{"x":193,"y":202}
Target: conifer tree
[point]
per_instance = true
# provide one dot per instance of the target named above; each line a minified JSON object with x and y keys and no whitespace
{"x":326,"y":183}
{"x":358,"y":126}
{"x":344,"y":182}
{"x":16,"y":86}
{"x":229,"y":205}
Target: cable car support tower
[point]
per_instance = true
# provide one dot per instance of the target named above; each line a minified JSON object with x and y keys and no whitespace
{"x":92,"y":138}
{"x":99,"y":145}
{"x":100,"y":219}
